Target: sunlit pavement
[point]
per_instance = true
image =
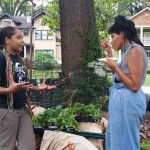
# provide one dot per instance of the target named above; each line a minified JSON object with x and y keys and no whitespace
{"x":146,"y":90}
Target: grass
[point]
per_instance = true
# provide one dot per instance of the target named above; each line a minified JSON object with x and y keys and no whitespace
{"x":41,"y":74}
{"x":147,"y":81}
{"x":145,"y":145}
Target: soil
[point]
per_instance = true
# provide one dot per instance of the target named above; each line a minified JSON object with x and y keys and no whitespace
{"x":145,"y":128}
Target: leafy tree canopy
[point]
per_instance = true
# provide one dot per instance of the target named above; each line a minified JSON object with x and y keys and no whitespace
{"x":54,"y":16}
{"x":105,"y":10}
{"x":15,"y":7}
{"x":19,"y":7}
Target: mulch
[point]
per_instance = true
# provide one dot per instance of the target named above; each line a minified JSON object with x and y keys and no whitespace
{"x":145,"y":128}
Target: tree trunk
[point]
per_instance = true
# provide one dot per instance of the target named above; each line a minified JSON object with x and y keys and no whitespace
{"x":76,"y":18}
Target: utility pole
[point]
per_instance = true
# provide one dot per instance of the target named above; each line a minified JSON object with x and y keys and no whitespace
{"x":31,"y":37}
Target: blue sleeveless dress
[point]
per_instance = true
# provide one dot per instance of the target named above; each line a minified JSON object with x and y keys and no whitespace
{"x":126,"y":111}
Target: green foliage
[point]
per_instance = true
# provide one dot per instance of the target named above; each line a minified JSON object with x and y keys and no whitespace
{"x":88,"y":89}
{"x":106,"y":10}
{"x":43,"y":57}
{"x":50,"y":115}
{"x":7,"y":1}
{"x":131,"y":7}
{"x":64,"y":118}
{"x":59,"y":117}
{"x":15,"y":7}
{"x":91,"y":87}
{"x":145,"y":145}
{"x":38,"y":120}
{"x":83,"y":110}
{"x":92,"y":43}
{"x":104,"y":13}
{"x":54,"y":16}
{"x":147,"y":81}
{"x":67,"y":120}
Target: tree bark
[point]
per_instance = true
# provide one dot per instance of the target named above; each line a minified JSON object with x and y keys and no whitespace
{"x":76,"y":18}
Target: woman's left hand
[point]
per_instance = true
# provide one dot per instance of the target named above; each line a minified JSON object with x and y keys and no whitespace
{"x":42,"y":87}
{"x":111,"y":64}
{"x":51,"y":87}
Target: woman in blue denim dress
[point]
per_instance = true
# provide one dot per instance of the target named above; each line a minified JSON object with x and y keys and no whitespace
{"x":127,"y":102}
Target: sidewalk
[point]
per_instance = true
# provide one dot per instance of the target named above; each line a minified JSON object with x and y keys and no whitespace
{"x":146,"y":89}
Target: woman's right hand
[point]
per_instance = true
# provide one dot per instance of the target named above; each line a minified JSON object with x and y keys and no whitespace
{"x":105,"y":45}
{"x":14,"y":87}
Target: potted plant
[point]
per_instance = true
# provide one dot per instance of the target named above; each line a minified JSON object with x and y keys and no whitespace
{"x":86,"y":112}
{"x":66,"y":121}
{"x":56,"y":119}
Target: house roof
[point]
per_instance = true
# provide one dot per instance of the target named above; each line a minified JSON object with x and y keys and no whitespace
{"x":43,"y":12}
{"x":142,"y":18}
{"x":10,"y":16}
{"x":21,"y":21}
{"x":147,"y":8}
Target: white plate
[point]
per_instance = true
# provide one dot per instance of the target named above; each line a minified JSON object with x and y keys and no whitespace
{"x":113,"y":58}
{"x":105,"y":59}
{"x":102,"y":59}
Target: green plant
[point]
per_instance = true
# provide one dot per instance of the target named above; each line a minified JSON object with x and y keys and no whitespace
{"x":85,"y":110}
{"x":59,"y":117}
{"x":45,"y":58}
{"x":145,"y":145}
{"x":147,"y":81}
{"x":38,"y":120}
{"x":88,"y":89}
{"x":66,"y":120}
{"x":51,"y":115}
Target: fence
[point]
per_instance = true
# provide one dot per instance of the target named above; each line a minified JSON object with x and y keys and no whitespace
{"x":82,"y":86}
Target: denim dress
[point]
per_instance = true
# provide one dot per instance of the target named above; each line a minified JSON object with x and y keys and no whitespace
{"x":126,"y":111}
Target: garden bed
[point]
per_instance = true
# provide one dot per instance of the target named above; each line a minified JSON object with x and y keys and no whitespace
{"x":145,"y":132}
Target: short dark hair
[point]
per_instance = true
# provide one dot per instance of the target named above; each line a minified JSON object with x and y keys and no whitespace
{"x":121,"y":24}
{"x":6,"y":32}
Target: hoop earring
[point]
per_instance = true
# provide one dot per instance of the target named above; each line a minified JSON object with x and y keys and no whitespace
{"x":124,"y":45}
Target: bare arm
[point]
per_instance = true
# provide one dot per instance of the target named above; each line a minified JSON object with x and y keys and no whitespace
{"x":14,"y":87}
{"x":105,"y":45}
{"x":4,"y":90}
{"x":42,"y":87}
{"x":135,"y":64}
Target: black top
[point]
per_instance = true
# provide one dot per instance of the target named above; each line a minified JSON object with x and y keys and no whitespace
{"x":19,"y":97}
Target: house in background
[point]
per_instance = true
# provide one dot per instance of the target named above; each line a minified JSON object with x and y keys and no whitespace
{"x":142,"y":24}
{"x":39,"y":39}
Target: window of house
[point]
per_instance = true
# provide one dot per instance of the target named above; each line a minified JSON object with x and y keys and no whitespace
{"x":146,"y":39}
{"x":42,"y":35}
{"x":148,"y":54}
{"x":7,"y":22}
{"x":38,"y":35}
{"x":25,"y":32}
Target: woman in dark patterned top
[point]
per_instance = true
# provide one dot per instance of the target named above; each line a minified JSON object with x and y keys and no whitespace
{"x":15,"y":121}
